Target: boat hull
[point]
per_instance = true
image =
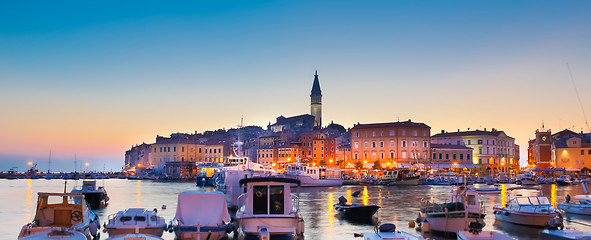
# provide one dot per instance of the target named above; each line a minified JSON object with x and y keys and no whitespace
{"x":566,"y":234}
{"x":484,"y":235}
{"x":154,"y":231}
{"x":357,"y":213}
{"x":411,"y":181}
{"x":452,"y":221}
{"x":200,"y":232}
{"x":61,"y":235}
{"x":530,"y":219}
{"x":281,"y":228}
{"x":576,"y":208}
{"x":528,"y":182}
{"x":307,"y":181}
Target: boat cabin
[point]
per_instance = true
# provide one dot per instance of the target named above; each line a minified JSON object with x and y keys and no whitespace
{"x":530,"y":204}
{"x":466,"y":196}
{"x":60,"y":209}
{"x":135,"y":216}
{"x":313,"y":172}
{"x":268,"y":196}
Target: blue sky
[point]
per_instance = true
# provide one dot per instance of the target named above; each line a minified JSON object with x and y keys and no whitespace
{"x":94,"y":78}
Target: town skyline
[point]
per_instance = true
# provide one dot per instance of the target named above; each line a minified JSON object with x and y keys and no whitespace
{"x":92,"y":81}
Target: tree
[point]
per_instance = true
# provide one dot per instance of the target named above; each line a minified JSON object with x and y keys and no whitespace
{"x":358,"y":165}
{"x":377,"y":165}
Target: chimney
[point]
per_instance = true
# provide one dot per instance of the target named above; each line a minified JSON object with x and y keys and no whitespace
{"x":442,"y":131}
{"x":485,"y":129}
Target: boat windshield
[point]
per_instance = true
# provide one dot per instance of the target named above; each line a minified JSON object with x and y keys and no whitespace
{"x":533,"y":201}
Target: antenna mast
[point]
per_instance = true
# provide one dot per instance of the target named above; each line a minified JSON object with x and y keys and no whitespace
{"x":578,"y":97}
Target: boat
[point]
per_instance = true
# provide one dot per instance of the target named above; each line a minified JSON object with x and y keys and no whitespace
{"x":566,"y":234}
{"x":312,"y":176}
{"x":96,"y":197}
{"x":400,"y":177}
{"x":228,"y":180}
{"x":134,"y":237}
{"x":201,"y":215}
{"x":487,"y":190}
{"x":528,"y":179}
{"x":61,"y":212}
{"x":532,"y":211}
{"x":563,"y":180}
{"x":135,"y":221}
{"x":206,"y":172}
{"x":62,"y":234}
{"x":463,"y":209}
{"x":482,"y":235}
{"x":268,"y":210}
{"x":355,"y":212}
{"x":388,"y":231}
{"x":583,"y":207}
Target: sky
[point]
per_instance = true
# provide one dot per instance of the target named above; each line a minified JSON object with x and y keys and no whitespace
{"x":88,"y":80}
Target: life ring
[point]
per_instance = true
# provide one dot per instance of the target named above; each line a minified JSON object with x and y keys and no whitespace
{"x":243,"y":167}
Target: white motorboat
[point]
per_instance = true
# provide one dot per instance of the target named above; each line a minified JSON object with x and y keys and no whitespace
{"x":483,"y":235}
{"x":487,"y":190}
{"x":59,"y":212}
{"x":582,"y":207}
{"x":311,"y":176}
{"x":532,"y":211}
{"x":268,"y":210}
{"x":135,"y":221}
{"x":228,"y":179}
{"x":201,"y":215}
{"x":463,"y":209}
{"x":57,"y":234}
{"x":134,"y":237}
{"x":528,"y":179}
{"x":566,"y":234}
{"x":400,"y":177}
{"x":96,"y":197}
{"x":563,"y":180}
{"x":388,"y":231}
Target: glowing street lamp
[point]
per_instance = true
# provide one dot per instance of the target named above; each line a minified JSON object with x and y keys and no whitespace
{"x":330,"y":161}
{"x":455,"y":164}
{"x":30,"y":163}
{"x":139,"y":165}
{"x":288,"y":159}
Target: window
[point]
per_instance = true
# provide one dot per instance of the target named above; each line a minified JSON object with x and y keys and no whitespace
{"x":479,"y":141}
{"x":403,"y":143}
{"x":382,"y":144}
{"x":434,"y":155}
{"x":356,"y":144}
{"x":479,"y":161}
{"x":373,"y":144}
{"x":414,"y":133}
{"x":469,"y":142}
{"x":392,"y":155}
{"x":458,"y":142}
{"x":480,"y":150}
{"x":373,"y":155}
{"x":154,"y":149}
{"x":168,"y":149}
{"x":404,"y":155}
{"x":373,"y":134}
{"x":467,"y":156}
{"x":382,"y":155}
{"x":589,"y":152}
{"x":381,"y":133}
{"x":493,"y":142}
{"x":440,"y":156}
{"x":392,"y":133}
{"x":356,"y":156}
{"x":403,"y":132}
{"x":259,"y":200}
{"x":582,"y":152}
{"x":276,"y":198}
{"x":461,"y":156}
{"x":415,"y":144}
{"x":446,"y":156}
{"x":392,"y":144}
{"x":425,"y":144}
{"x":454,"y":156}
{"x":366,"y":144}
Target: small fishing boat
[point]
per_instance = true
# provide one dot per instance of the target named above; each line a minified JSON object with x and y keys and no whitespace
{"x":529,"y":179}
{"x":483,"y":235}
{"x":532,"y":211}
{"x":463,"y":209}
{"x":268,"y":210}
{"x":135,"y":221}
{"x":134,"y":237}
{"x":201,"y":215}
{"x":563,"y":180}
{"x":59,"y":212}
{"x":566,"y":234}
{"x":62,"y":234}
{"x":583,"y":207}
{"x":355,"y":212}
{"x":96,"y":197}
{"x":388,"y":231}
{"x":487,"y":190}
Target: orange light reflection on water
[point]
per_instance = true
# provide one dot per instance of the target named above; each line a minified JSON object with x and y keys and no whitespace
{"x":553,"y":195}
{"x":29,"y":203}
{"x":330,"y":214}
{"x":365,"y":196}
{"x":139,"y":194}
{"x":503,"y":194}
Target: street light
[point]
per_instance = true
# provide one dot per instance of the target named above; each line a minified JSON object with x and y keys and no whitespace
{"x":86,"y":167}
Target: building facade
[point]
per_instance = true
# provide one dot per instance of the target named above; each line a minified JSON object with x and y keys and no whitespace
{"x":395,"y":142}
{"x":493,"y":151}
{"x":572,"y":151}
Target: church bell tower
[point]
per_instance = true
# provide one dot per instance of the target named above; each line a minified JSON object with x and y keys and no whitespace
{"x":316,"y":102}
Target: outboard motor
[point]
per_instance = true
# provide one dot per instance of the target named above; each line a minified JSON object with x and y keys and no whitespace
{"x":475,"y":227}
{"x":264,"y":233}
{"x":387,"y":227}
{"x":342,"y":200}
{"x":356,"y":194}
{"x":567,"y":197}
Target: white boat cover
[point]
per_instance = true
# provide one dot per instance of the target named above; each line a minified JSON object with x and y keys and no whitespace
{"x":583,"y":197}
{"x":203,"y":208}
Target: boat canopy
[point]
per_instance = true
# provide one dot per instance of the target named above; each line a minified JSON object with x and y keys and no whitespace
{"x":269,"y":179}
{"x":203,"y":208}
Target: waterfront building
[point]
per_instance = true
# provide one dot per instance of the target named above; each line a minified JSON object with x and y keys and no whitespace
{"x":571,"y":150}
{"x":298,"y":124}
{"x":288,"y":153}
{"x":493,"y":151}
{"x":449,"y":156}
{"x":395,"y":142}
{"x":318,"y":147}
{"x":266,"y":155}
{"x":316,"y":102}
{"x":539,"y":151}
{"x":138,"y":154}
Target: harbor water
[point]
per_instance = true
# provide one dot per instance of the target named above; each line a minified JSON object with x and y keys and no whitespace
{"x":399,"y":204}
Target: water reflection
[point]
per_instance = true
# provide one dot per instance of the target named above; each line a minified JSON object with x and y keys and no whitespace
{"x":503,"y":194}
{"x":365,"y":196}
{"x":138,"y":197}
{"x":553,"y":195}
{"x":330,"y":214}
